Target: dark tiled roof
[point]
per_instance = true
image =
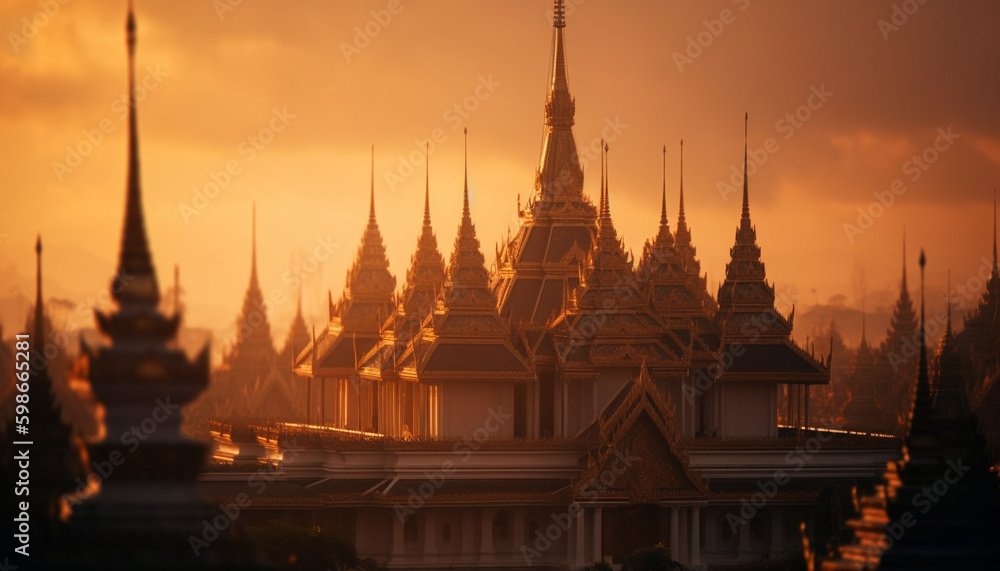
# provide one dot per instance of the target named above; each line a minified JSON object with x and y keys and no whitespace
{"x":473,"y":357}
{"x":776,"y":358}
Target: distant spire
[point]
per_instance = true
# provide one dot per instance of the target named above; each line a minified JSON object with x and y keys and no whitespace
{"x":663,"y":202}
{"x":746,"y":191}
{"x":947,"y":293}
{"x":923,"y":398}
{"x":135,"y":260}
{"x":426,"y":273}
{"x":466,"y":216}
{"x":681,"y":219}
{"x":427,"y":184}
{"x":39,"y":332}
{"x":177,"y":288}
{"x":467,"y":266}
{"x":863,"y":315}
{"x":298,"y":306}
{"x":371,"y":206}
{"x":606,"y":213}
{"x":683,"y":234}
{"x":996,"y":272}
{"x":904,"y":262}
{"x":600,"y":206}
{"x":254,"y":284}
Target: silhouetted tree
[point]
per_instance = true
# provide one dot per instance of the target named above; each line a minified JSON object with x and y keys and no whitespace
{"x":655,"y":558}
{"x":294,"y":548}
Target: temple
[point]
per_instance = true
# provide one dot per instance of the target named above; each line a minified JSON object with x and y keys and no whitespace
{"x":568,"y":385}
{"x":552,"y":404}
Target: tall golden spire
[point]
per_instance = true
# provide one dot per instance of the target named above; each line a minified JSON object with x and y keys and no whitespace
{"x":467,"y":267}
{"x":559,"y":77}
{"x":426,"y":273}
{"x":465,"y":189}
{"x":254,"y":284}
{"x":371,"y":205}
{"x":560,"y":177}
{"x":746,"y":186}
{"x":369,"y":277}
{"x":745,"y":288}
{"x":604,"y":181}
{"x":135,"y":267}
{"x":427,"y":184}
{"x":606,"y":209}
{"x":683,"y":235}
{"x":663,"y":202}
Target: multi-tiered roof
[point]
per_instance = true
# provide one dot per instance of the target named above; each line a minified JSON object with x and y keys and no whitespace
{"x":357,"y":317}
{"x":540,"y":265}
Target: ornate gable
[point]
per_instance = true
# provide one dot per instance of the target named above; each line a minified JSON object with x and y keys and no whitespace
{"x":639,"y":456}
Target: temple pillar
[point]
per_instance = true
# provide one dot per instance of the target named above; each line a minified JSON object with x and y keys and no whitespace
{"x":322,"y":401}
{"x":695,"y":555}
{"x":674,"y":529}
{"x":744,"y":538}
{"x":597,"y":542}
{"x":581,"y":538}
{"x":806,"y":419}
{"x":468,"y":534}
{"x":777,"y":527}
{"x":682,"y":535}
{"x":486,"y":551}
{"x":309,"y":384}
{"x":711,"y":529}
{"x":517,"y":538}
{"x":430,"y":533}
{"x":398,"y":547}
{"x":564,"y":407}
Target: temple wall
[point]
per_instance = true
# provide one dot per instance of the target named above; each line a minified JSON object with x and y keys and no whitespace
{"x":748,"y":409}
{"x":470,"y":406}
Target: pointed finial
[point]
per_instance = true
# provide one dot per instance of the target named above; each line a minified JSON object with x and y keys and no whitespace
{"x":253,"y":239}
{"x":427,"y":183}
{"x":863,"y":315}
{"x":559,"y":14}
{"x":135,"y":259}
{"x":904,"y":258}
{"x":177,"y":288}
{"x":746,"y":191}
{"x":995,"y":270}
{"x":600,"y":207}
{"x":663,"y":202}
{"x":465,"y":199}
{"x":923,"y":382}
{"x":371,"y":206}
{"x":680,"y":213}
{"x":298,"y":308}
{"x":607,"y":183}
{"x":947,"y":294}
{"x":130,"y":28}
{"x":39,"y":308}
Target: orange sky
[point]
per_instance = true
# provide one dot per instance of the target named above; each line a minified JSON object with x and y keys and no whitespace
{"x":214,"y":79}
